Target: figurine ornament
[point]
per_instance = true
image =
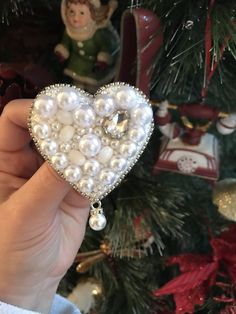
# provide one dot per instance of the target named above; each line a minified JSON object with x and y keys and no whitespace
{"x":91,"y":141}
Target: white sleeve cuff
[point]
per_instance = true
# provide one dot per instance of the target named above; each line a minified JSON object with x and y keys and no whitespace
{"x":60,"y":305}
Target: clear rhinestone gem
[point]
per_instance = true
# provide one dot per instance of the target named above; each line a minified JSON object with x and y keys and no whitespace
{"x":117,"y":125}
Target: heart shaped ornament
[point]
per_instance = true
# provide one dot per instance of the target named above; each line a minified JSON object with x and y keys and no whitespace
{"x":91,"y":141}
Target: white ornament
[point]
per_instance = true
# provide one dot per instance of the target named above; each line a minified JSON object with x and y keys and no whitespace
{"x":128,"y":149}
{"x":126,"y":98}
{"x":65,"y":117}
{"x":97,"y":222}
{"x":142,"y":115}
{"x":49,"y":147}
{"x":66,"y":133}
{"x":45,"y":106}
{"x":59,"y":161}
{"x":41,"y":130}
{"x":92,"y":141}
{"x":105,"y":154}
{"x":90,"y":145}
{"x":72,"y":173}
{"x":91,"y":167}
{"x":84,"y":117}
{"x":76,"y":157}
{"x":67,"y":98}
{"x":104,"y":105}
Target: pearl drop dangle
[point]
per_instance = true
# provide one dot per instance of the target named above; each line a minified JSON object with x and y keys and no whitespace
{"x":97,"y":220}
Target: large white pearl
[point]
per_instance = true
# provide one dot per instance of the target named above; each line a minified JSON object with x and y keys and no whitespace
{"x":49,"y":147}
{"x":97,"y":222}
{"x":76,"y":157}
{"x":86,"y":185}
{"x":41,"y":130}
{"x":59,"y":161}
{"x":104,"y":105}
{"x":128,"y":149}
{"x":72,"y":173}
{"x":118,"y":164}
{"x":126,"y":97}
{"x":67,"y":98}
{"x":91,"y":167}
{"x":142,"y":115}
{"x":45,"y":106}
{"x":136,"y":134}
{"x":66,"y":133}
{"x":105,"y":154}
{"x":107,"y":177}
{"x":84,"y":117}
{"x":90,"y":145}
{"x":65,"y":117}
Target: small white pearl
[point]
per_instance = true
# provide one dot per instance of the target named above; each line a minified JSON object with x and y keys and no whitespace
{"x":115,"y":144}
{"x":91,"y":167}
{"x":84,"y":117}
{"x":107,"y":177}
{"x":104,"y":105}
{"x":86,"y":185}
{"x":126,"y":97}
{"x":76,"y":158}
{"x":118,"y":164}
{"x":142,"y":115}
{"x":41,"y":131}
{"x":81,"y":131}
{"x":128,"y":149}
{"x":97,"y":222}
{"x":65,"y":147}
{"x":98,"y":132}
{"x":136,"y":134}
{"x":49,"y":147}
{"x":67,"y":133}
{"x":59,"y":161}
{"x":105,"y":141}
{"x":45,"y":106}
{"x":90,"y":145}
{"x":64,"y":117}
{"x":72,"y":173}
{"x":105,"y":154}
{"x":67,"y":98}
{"x":56,"y":126}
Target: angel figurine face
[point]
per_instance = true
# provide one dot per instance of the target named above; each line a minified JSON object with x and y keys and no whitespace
{"x":78,"y":15}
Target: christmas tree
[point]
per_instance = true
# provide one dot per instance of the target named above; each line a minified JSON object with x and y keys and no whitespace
{"x":168,"y":246}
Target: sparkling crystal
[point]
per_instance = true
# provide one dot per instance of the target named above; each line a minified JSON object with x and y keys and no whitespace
{"x":117,"y":125}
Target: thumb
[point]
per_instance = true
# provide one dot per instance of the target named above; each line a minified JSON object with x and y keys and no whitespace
{"x":41,"y":194}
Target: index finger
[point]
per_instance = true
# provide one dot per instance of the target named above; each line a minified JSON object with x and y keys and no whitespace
{"x":14,"y":134}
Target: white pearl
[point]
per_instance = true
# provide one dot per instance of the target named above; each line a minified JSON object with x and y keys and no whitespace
{"x":65,"y":117}
{"x":142,"y":115}
{"x":115,"y":144}
{"x":126,"y":97}
{"x":72,"y":173}
{"x":65,"y":147}
{"x":84,"y":117}
{"x":81,"y":131}
{"x":67,"y":133}
{"x":97,"y":222}
{"x":107,"y":177}
{"x":67,"y":98}
{"x":105,"y":154}
{"x":128,"y":149}
{"x":136,"y":134}
{"x":118,"y":164}
{"x":86,"y":185}
{"x":91,"y":167}
{"x":59,"y":161}
{"x":76,"y":158}
{"x":41,"y":130}
{"x":90,"y":145}
{"x":98,"y":132}
{"x":56,"y":126}
{"x":45,"y":106}
{"x":105,"y":141}
{"x":104,"y":105}
{"x":49,"y":147}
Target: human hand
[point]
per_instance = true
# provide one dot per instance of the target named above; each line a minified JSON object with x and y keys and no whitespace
{"x":42,"y":220}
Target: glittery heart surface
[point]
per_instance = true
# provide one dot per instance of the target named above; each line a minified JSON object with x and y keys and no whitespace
{"x":91,"y":141}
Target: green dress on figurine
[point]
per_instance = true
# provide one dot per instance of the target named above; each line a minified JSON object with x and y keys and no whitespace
{"x":84,"y":47}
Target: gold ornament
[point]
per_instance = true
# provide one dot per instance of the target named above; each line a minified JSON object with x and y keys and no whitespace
{"x":224,"y":196}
